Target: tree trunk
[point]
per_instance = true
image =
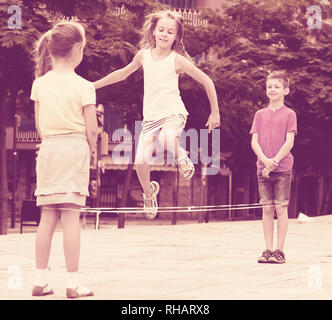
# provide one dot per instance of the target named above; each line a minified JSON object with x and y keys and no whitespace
{"x":176,"y":196}
{"x":246,"y":193}
{"x":123,"y":202}
{"x":293,"y":201}
{"x":124,"y":198}
{"x":3,"y":170}
{"x":256,"y":199}
{"x":327,"y":198}
{"x":320,"y":194}
{"x":203,"y":197}
{"x":13,"y":122}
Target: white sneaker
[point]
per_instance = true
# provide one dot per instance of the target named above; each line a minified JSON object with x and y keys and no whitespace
{"x":151,"y":211}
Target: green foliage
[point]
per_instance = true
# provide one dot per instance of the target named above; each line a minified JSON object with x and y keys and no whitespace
{"x":271,"y":35}
{"x":243,"y":43}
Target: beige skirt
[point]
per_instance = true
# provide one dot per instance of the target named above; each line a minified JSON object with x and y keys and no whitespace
{"x":62,"y":168}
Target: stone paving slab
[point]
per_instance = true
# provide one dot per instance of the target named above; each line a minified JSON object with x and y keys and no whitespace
{"x":191,"y":261}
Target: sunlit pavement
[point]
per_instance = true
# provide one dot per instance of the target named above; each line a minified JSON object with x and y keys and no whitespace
{"x":149,"y":261}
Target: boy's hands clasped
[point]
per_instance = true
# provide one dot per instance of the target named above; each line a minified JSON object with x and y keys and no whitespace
{"x":270,"y":165}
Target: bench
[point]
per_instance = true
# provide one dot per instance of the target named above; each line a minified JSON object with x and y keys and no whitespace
{"x":29,"y":213}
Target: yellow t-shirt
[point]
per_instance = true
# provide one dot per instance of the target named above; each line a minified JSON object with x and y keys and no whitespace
{"x":61,"y":98}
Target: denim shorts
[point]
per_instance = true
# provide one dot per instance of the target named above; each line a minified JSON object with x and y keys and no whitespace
{"x":276,"y":189}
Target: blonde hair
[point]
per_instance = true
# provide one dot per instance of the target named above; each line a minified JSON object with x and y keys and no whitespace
{"x":57,"y":42}
{"x":150,"y":24}
{"x":281,"y":75}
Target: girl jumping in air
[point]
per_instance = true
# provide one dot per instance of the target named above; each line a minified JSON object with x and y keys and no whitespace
{"x":66,"y":121}
{"x":163,"y":58}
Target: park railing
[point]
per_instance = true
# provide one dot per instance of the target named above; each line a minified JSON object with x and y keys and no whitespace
{"x":27,"y":136}
{"x":190,"y":16}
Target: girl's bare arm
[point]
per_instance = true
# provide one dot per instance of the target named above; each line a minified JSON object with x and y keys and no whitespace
{"x":184,"y":65}
{"x":120,"y":74}
{"x":91,"y":125}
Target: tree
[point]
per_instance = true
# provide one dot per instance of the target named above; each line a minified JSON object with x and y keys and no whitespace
{"x":275,"y":36}
{"x":108,"y":47}
{"x":15,"y":60}
{"x":263,"y":36}
{"x":245,"y":41}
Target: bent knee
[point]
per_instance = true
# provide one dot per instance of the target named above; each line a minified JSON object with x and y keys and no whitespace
{"x":168,"y":141}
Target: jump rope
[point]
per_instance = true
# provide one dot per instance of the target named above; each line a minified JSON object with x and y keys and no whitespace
{"x":186,"y":209}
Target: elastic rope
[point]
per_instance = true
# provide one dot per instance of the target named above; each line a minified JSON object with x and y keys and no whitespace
{"x":170,"y":209}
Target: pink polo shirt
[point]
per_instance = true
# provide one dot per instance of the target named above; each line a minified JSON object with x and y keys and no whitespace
{"x":272,"y":127}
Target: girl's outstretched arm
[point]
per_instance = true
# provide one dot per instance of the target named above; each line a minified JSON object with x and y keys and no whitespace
{"x":121,"y":74}
{"x":184,"y":65}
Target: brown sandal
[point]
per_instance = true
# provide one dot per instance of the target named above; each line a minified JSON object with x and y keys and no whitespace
{"x":152,"y":211}
{"x":72,"y":293}
{"x":187,"y":169}
{"x":38,"y":291}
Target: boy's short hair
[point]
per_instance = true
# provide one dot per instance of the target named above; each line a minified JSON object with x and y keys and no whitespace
{"x":282,"y":75}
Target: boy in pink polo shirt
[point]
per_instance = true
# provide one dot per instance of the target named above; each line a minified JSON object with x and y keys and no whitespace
{"x":273,"y":131}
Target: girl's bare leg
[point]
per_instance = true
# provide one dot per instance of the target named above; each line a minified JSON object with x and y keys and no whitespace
{"x":70,"y":221}
{"x":46,"y":228}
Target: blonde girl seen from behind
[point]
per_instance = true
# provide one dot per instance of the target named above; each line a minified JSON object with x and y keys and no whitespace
{"x":66,"y":121}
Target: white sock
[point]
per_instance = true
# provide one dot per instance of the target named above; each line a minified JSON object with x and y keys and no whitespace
{"x":72,"y":280}
{"x":42,"y":277}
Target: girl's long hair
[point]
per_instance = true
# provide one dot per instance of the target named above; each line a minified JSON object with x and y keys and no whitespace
{"x":42,"y":56}
{"x":57,"y":42}
{"x":150,"y":24}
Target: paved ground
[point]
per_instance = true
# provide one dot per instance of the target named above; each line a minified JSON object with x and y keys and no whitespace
{"x":215,"y":260}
